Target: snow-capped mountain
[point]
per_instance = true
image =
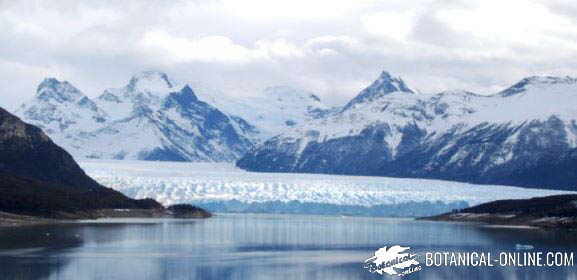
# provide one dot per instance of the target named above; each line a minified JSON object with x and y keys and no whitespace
{"x":525,"y":135}
{"x":274,"y":111}
{"x":384,"y":85}
{"x":151,"y":118}
{"x":59,"y":106}
{"x":145,"y":89}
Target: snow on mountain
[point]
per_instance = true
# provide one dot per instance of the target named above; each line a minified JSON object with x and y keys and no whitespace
{"x":183,"y":128}
{"x":151,"y":118}
{"x":64,"y":113}
{"x":58,"y":106}
{"x":139,"y":136}
{"x":215,"y":135}
{"x":150,"y":82}
{"x":384,"y":85}
{"x":147,"y":88}
{"x":223,"y":188}
{"x":534,"y":98}
{"x":275,"y":111}
{"x":525,"y":135}
{"x":537,"y":82}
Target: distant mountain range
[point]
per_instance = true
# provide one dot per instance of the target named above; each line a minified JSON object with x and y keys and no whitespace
{"x":154,"y":118}
{"x":525,"y":135}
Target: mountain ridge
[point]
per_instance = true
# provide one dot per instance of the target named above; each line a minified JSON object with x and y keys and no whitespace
{"x":510,"y":139}
{"x":388,"y":129}
{"x":133,"y":122}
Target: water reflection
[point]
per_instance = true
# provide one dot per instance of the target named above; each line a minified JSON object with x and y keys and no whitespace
{"x":255,"y":247}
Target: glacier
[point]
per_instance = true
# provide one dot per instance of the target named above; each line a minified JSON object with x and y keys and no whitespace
{"x":276,"y":110}
{"x":222,"y":187}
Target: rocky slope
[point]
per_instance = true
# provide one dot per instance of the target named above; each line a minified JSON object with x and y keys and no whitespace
{"x":39,"y":178}
{"x":523,"y":136}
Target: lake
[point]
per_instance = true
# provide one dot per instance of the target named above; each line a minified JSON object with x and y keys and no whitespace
{"x":252,"y":246}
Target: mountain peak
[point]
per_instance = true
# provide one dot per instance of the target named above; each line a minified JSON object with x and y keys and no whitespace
{"x":384,"y":85}
{"x":536,"y":81}
{"x":388,"y":83}
{"x":185,"y":98}
{"x":385,"y":75}
{"x":48,"y":82}
{"x":59,"y":91}
{"x":150,"y":81}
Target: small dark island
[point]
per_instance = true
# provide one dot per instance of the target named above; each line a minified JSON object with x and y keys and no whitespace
{"x":552,"y":212}
{"x":187,"y":211}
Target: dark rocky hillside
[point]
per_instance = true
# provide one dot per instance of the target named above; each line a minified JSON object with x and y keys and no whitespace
{"x":39,"y":178}
{"x":27,"y":152}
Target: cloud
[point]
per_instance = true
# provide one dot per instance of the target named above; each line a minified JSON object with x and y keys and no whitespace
{"x":393,"y":24}
{"x":216,"y":48}
{"x":334,"y":48}
{"x":205,"y":49}
{"x":295,"y":9}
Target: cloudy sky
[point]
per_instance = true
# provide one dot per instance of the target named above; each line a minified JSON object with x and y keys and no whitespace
{"x":332,"y":47}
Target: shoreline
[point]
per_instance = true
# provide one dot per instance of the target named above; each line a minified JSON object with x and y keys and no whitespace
{"x":16,"y":220}
{"x":549,"y":212}
{"x":508,"y":221}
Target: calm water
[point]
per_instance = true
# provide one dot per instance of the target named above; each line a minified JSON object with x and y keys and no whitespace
{"x":256,"y":247}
